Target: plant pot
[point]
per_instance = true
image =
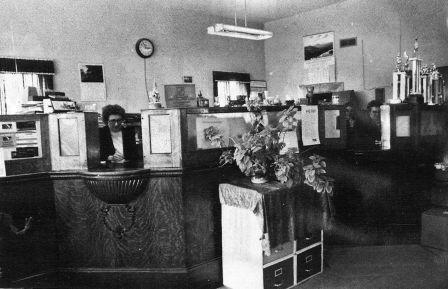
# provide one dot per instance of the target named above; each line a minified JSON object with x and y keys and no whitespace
{"x":259,"y":180}
{"x":154,"y":105}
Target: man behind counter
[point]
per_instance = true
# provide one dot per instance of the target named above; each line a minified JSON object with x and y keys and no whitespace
{"x":365,"y":128}
{"x":117,"y":141}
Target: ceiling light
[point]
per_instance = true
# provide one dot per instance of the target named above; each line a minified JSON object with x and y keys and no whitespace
{"x":238,"y":32}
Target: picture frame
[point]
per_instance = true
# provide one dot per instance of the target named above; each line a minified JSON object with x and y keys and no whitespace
{"x":180,"y":95}
{"x":318,"y":46}
{"x":92,"y":81}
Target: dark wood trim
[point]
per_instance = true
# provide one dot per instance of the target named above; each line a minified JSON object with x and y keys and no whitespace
{"x":35,"y":275}
{"x":125,"y":270}
{"x":24,"y":178}
{"x":63,"y":175}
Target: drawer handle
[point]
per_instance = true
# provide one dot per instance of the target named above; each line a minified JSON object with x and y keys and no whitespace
{"x":307,"y":270}
{"x":309,"y":258}
{"x":278,"y":272}
{"x":308,"y":238}
{"x":278,"y":284}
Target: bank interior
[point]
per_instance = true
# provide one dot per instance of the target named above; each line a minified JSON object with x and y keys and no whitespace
{"x":267,"y":138}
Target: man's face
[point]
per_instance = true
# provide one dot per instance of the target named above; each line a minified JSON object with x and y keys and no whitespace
{"x":374,"y":114}
{"x":115,"y":122}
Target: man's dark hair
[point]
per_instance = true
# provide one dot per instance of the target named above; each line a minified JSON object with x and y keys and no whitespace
{"x":374,"y":103}
{"x":112,"y":109}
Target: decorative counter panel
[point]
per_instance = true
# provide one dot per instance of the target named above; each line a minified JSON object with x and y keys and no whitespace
{"x":91,"y":237}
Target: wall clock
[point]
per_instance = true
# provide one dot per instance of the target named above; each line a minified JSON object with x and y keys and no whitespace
{"x":144,"y":47}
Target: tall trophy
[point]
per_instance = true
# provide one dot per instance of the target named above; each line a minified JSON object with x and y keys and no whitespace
{"x":399,"y":82}
{"x":415,"y":92}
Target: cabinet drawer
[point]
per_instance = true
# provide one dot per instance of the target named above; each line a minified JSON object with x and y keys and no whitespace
{"x":279,"y":275}
{"x":278,"y":252}
{"x":309,"y":263}
{"x":308,"y":239}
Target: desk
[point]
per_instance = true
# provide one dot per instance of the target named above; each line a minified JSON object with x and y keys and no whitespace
{"x":271,"y":234}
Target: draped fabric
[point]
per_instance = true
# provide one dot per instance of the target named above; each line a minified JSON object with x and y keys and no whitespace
{"x":284,"y":214}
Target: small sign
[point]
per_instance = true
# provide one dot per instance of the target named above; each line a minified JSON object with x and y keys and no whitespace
{"x":347,"y":42}
{"x":7,"y":140}
{"x":180,"y":95}
{"x":188,"y":79}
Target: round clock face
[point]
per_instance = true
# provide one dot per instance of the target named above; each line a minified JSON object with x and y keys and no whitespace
{"x":144,"y":47}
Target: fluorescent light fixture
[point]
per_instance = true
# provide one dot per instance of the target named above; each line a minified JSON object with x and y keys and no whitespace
{"x":238,"y":32}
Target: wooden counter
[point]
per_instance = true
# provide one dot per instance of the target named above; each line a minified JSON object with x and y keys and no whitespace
{"x":173,"y":226}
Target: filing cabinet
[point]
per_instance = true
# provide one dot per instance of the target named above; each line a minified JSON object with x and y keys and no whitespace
{"x":309,"y":238}
{"x":309,"y":262}
{"x":245,"y":264}
{"x":279,"y":275}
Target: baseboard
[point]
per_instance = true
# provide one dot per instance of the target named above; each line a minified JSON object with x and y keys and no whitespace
{"x":125,"y":270}
{"x":36,"y":275}
{"x":207,"y":274}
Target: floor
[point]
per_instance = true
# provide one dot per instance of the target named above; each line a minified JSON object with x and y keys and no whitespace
{"x":365,"y":267}
{"x":374,"y":267}
{"x":397,"y":266}
{"x":356,"y":256}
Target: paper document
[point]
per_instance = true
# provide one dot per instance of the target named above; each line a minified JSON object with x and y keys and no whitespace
{"x":160,"y":134}
{"x":403,"y":126}
{"x":331,"y":122}
{"x":310,"y":125}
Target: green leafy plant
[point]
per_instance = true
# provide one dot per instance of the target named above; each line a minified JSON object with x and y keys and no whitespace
{"x":260,"y":152}
{"x":255,"y":152}
{"x":315,"y":175}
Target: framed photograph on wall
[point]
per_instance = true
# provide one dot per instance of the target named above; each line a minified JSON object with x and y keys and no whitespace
{"x":318,"y":45}
{"x":93,"y":87}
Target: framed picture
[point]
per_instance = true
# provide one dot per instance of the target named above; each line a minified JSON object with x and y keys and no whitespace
{"x":93,"y":87}
{"x":319,"y":63}
{"x":318,"y":45}
{"x":180,"y":95}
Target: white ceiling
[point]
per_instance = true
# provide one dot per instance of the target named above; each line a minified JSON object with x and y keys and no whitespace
{"x":256,"y":10}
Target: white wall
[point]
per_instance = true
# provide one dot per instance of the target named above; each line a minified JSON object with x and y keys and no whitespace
{"x":82,"y":31}
{"x":376,"y":24}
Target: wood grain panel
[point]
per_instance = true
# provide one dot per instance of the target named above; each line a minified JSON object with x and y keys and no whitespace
{"x":203,"y":213}
{"x":35,"y":251}
{"x":154,"y":241}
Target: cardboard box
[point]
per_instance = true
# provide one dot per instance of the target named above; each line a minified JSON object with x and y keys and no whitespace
{"x":435,"y":228}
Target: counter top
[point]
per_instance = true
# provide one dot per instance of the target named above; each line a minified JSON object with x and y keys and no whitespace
{"x":106,"y":172}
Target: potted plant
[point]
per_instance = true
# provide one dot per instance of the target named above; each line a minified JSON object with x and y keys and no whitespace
{"x":261,"y":154}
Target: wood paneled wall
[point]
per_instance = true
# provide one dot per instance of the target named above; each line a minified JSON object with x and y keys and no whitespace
{"x":36,"y":250}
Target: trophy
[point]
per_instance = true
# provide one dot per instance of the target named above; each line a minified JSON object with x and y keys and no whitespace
{"x":426,"y":84}
{"x":399,"y":80}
